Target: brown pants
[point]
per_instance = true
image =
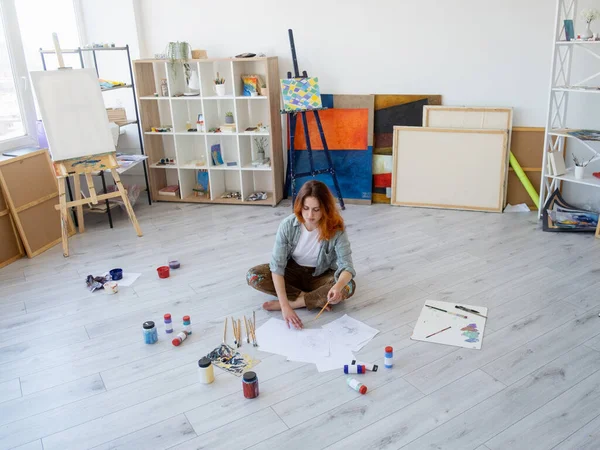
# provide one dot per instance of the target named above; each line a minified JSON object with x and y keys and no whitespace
{"x":298,"y":279}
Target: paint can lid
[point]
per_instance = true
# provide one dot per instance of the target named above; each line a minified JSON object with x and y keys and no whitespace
{"x":250,"y":377}
{"x":148,"y":325}
{"x":167,"y":316}
{"x":204,"y":362}
{"x":186,"y":318}
{"x":389,"y":349}
{"x":363,"y":389}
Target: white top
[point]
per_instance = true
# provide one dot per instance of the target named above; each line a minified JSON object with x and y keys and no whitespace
{"x":307,"y":250}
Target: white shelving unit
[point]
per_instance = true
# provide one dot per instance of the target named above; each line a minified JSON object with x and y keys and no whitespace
{"x":561,"y":86}
{"x":191,"y":149}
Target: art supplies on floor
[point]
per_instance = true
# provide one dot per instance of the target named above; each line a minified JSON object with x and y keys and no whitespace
{"x":329,"y":347}
{"x":456,"y":324}
{"x":229,"y":359}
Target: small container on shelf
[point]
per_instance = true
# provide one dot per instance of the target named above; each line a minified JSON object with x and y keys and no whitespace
{"x":170,"y":191}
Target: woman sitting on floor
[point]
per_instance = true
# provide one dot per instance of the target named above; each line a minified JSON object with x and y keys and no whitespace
{"x":312,"y":260}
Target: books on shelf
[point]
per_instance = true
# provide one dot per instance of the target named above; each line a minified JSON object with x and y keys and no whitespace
{"x":172,"y":190}
{"x":227,"y":128}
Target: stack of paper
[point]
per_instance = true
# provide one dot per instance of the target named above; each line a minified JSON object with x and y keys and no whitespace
{"x":329,"y":347}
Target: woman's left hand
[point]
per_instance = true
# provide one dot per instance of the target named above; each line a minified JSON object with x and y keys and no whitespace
{"x":334,"y":296}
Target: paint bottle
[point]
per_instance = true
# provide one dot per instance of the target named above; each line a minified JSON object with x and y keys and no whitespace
{"x":388,"y":360}
{"x":356,"y":385}
{"x":150,"y":333}
{"x":250,"y":385}
{"x":368,"y":366}
{"x":205,"y":371}
{"x":168,"y":323}
{"x":181,"y":336}
{"x":187,"y":324}
{"x":354,"y":369}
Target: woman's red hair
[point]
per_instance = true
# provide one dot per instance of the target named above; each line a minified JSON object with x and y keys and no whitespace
{"x":331,"y":222}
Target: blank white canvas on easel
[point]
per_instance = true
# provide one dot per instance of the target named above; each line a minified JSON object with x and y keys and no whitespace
{"x":73,"y":113}
{"x":467,"y":333}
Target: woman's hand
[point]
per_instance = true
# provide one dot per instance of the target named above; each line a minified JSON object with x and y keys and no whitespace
{"x":291,"y":318}
{"x":334,"y":296}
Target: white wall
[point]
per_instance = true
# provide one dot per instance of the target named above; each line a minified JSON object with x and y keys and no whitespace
{"x":472,"y":52}
{"x":114,"y":21}
{"x":475,"y":52}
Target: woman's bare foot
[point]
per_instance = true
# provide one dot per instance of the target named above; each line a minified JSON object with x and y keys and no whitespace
{"x":274,"y":305}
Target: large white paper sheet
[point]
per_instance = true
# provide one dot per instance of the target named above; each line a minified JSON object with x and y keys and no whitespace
{"x":275,"y":337}
{"x":463,"y":332}
{"x":128,"y":278}
{"x":350,"y":332}
{"x":329,"y":347}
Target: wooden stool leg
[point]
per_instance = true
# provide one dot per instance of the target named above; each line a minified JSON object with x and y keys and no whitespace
{"x":123,"y":192}
{"x":91,"y":188}
{"x":79,"y":208}
{"x":62,"y":201}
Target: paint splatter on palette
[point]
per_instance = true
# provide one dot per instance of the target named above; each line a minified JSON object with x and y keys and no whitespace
{"x":471,"y":333}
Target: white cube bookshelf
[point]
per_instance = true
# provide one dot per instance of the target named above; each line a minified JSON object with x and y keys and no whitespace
{"x":189,"y":149}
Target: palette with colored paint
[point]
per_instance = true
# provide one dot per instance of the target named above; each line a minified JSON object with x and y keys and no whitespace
{"x":454,"y":324}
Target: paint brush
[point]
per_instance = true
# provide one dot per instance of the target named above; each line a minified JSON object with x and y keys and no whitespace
{"x":253,"y":332}
{"x":447,"y":312}
{"x":433,"y":334}
{"x":234,"y":332}
{"x":321,"y":312}
{"x":247,"y":330}
{"x":239,"y":327}
{"x":225,"y":332}
{"x":472,"y":311}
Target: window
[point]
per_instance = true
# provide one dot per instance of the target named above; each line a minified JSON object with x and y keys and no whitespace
{"x":17,"y":112}
{"x":22,"y":34}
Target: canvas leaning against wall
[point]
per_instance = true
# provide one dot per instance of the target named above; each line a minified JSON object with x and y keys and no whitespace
{"x":348,"y":129}
{"x":391,"y":110}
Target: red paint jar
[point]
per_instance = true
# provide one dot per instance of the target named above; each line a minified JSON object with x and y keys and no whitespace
{"x":250,"y":385}
{"x":163,"y":272}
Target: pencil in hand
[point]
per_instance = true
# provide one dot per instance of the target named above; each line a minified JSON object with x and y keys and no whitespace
{"x":321,"y":312}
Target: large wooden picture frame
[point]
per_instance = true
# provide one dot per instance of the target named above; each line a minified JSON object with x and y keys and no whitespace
{"x":11,"y":248}
{"x":31,"y":190}
{"x":449,"y":168}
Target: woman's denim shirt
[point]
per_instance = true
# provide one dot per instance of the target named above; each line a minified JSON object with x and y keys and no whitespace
{"x":334,"y":254}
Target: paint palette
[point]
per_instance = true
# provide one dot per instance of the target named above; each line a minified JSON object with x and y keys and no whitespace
{"x":444,"y":323}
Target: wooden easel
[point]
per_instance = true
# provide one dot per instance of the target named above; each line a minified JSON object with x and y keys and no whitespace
{"x":85,"y":166}
{"x":292,"y":175}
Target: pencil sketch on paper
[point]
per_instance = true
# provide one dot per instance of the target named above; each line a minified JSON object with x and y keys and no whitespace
{"x":350,"y":330}
{"x":471,"y":333}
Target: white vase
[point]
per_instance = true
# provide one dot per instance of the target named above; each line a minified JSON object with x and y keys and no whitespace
{"x":220,"y":89}
{"x":587,"y":34}
{"x":579,"y":172}
{"x":194,"y":83}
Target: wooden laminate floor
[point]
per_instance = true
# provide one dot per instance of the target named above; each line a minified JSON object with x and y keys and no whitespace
{"x":76,"y":374}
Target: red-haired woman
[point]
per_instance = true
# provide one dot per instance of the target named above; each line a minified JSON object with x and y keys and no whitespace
{"x":312,"y":260}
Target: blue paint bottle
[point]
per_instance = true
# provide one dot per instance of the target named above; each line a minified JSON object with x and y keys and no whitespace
{"x":150,"y":333}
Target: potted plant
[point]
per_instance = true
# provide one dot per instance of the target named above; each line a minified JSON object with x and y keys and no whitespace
{"x":219,"y":85}
{"x":579,"y":166}
{"x":229,"y":117}
{"x":261,"y":147}
{"x":179,"y":52}
{"x":589,"y":15}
